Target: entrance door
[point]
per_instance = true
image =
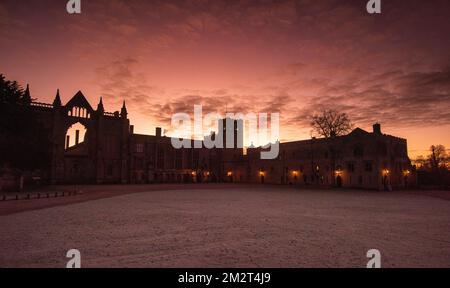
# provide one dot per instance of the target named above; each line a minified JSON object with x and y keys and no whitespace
{"x":339,"y":181}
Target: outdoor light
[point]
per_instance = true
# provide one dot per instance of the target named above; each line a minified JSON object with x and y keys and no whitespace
{"x":406,"y":172}
{"x":261,"y":173}
{"x":295,"y":173}
{"x":386,"y":172}
{"x":230,"y":174}
{"x":338,"y":172}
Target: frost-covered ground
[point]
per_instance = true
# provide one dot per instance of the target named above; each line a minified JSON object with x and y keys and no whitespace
{"x":233,"y":227}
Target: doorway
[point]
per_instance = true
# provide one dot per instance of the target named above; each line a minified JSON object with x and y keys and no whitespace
{"x":339,"y":181}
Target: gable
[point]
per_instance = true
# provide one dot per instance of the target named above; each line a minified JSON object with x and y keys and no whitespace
{"x":79,"y":101}
{"x":358,"y":132}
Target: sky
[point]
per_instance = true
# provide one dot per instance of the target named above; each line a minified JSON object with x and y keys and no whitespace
{"x":291,"y":57}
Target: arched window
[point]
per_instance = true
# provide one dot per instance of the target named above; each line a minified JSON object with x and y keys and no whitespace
{"x":75,"y":135}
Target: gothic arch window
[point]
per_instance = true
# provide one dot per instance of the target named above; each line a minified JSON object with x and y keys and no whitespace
{"x":75,"y":135}
{"x":79,"y":112}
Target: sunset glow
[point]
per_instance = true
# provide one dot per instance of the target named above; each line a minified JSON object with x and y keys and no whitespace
{"x":291,"y":57}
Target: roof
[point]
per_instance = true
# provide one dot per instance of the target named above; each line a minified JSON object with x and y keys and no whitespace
{"x":79,"y":101}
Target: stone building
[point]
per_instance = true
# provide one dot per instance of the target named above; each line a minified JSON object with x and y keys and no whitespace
{"x":361,"y":159}
{"x":110,"y":152}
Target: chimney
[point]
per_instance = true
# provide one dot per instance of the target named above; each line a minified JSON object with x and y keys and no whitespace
{"x":77,"y":137}
{"x":158,"y":131}
{"x":377,"y":129}
{"x":131,"y":129}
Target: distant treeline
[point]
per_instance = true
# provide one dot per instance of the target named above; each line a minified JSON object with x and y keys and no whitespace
{"x":433,"y":170}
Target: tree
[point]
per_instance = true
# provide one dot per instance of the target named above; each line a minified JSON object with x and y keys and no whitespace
{"x":438,"y":157}
{"x":331,"y":123}
{"x":24,"y":143}
{"x":421,"y":162}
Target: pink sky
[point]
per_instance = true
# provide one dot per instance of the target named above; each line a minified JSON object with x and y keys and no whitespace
{"x":292,"y":57}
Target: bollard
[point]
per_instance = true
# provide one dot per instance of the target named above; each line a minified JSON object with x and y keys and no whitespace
{"x":17,"y":197}
{"x":28,"y":197}
{"x":48,"y":196}
{"x":56,"y":194}
{"x":64,"y":194}
{"x":39,"y":195}
{"x":4,"y":197}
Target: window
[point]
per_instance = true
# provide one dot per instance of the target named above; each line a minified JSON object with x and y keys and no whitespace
{"x":382,"y":148}
{"x":358,"y":151}
{"x":368,"y":167}
{"x":139,"y":148}
{"x":109,"y":170}
{"x":351,"y":167}
{"x":139,"y":163}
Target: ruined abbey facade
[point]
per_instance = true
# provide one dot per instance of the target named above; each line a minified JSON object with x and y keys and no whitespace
{"x":110,"y":152}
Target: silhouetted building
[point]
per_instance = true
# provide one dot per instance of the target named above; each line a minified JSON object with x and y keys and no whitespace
{"x":361,"y":159}
{"x":109,"y":151}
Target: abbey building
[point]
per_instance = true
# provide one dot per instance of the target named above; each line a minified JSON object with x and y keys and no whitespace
{"x":103,"y":148}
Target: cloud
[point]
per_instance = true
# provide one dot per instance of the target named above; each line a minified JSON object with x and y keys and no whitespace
{"x":3,"y":17}
{"x":292,"y":57}
{"x":396,"y":98}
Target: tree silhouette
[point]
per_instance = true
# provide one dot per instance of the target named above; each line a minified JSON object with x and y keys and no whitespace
{"x":331,"y":123}
{"x":437,"y":157}
{"x":434,"y":169}
{"x":24,"y":143}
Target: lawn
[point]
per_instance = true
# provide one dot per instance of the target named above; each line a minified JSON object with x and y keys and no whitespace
{"x":265,"y":226}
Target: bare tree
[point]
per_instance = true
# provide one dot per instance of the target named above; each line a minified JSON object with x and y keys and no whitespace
{"x":331,"y":123}
{"x":437,"y":157}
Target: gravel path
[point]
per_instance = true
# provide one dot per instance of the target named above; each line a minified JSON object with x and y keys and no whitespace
{"x":233,"y":227}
